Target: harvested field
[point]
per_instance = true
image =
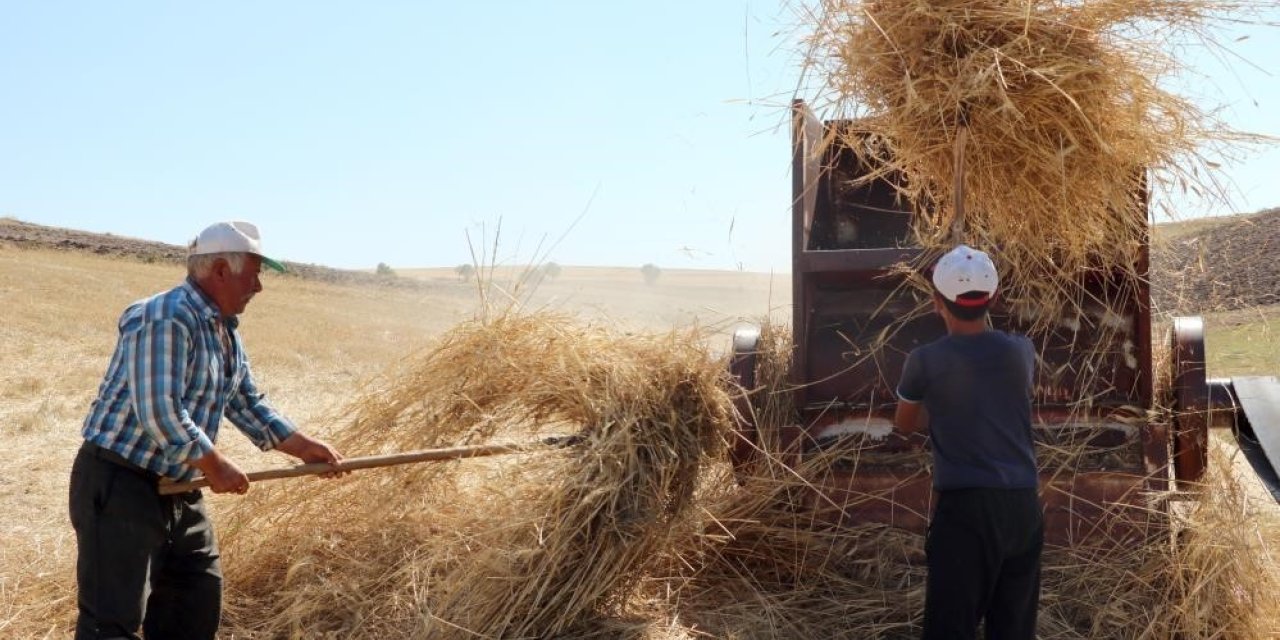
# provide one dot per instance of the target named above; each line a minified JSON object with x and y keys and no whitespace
{"x":1231,"y":265}
{"x":380,"y":554}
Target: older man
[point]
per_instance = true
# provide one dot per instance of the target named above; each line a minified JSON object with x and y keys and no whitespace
{"x":150,"y":561}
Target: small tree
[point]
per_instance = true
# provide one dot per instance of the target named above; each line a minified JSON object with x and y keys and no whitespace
{"x":650,"y":272}
{"x":384,"y":269}
{"x":465,"y":271}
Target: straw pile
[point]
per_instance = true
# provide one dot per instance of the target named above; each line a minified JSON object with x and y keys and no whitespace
{"x":535,"y":545}
{"x":643,"y":530}
{"x":1049,"y":110}
{"x":772,"y":561}
{"x":771,"y":569}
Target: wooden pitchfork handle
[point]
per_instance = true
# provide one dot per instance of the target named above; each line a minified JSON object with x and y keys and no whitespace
{"x":168,"y":488}
{"x":957,"y":187}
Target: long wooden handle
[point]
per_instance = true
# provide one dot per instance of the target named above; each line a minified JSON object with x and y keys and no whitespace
{"x":957,"y":189}
{"x":369,"y":462}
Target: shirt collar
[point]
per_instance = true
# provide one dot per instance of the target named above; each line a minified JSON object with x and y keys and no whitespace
{"x":204,"y":304}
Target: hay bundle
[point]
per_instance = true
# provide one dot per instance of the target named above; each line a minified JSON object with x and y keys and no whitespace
{"x":769,"y":565}
{"x":532,"y":546}
{"x":1054,"y":109}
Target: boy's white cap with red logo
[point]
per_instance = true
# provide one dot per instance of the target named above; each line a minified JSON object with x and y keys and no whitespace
{"x":964,"y":270}
{"x":231,"y":237}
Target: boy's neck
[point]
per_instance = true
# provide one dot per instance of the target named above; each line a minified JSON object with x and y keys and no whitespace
{"x":957,"y":327}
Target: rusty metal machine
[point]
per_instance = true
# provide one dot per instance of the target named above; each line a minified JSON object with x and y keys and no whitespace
{"x":854,"y":323}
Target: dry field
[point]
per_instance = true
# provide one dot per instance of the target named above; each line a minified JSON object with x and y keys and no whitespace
{"x":315,"y":344}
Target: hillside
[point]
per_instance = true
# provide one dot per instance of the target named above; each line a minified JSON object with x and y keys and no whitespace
{"x":28,"y":235}
{"x":681,"y":297}
{"x":1217,"y":264}
{"x":1197,"y":266}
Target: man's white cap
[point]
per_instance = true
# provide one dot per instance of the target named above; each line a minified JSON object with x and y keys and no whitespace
{"x":231,"y":237}
{"x":964,"y":270}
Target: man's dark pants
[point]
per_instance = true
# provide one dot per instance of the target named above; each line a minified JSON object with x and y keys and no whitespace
{"x":144,"y":560}
{"x":983,"y":552}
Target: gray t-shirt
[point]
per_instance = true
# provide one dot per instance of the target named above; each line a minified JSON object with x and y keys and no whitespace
{"x":977,"y":389}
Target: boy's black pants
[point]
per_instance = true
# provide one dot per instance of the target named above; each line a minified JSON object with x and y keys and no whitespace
{"x":983,"y":551}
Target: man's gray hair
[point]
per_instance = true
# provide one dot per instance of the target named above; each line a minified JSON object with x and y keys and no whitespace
{"x":199,"y":266}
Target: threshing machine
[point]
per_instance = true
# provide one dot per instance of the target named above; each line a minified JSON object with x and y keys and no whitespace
{"x":854,"y":323}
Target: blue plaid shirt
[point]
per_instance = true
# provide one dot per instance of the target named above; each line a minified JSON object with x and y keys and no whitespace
{"x":168,"y":386}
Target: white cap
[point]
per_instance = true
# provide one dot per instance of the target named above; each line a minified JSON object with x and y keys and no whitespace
{"x":963,"y":270}
{"x":231,"y":237}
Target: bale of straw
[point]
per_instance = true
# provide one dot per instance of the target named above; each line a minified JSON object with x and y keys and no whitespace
{"x":537,"y":545}
{"x":1063,"y":112}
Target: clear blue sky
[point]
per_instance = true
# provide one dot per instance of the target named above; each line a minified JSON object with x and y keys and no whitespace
{"x":356,"y":133}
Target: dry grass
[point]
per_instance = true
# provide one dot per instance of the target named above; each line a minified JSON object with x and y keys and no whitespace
{"x":775,"y":560}
{"x":758,"y":557}
{"x":1041,"y":114}
{"x":312,"y":344}
{"x":316,"y":348}
{"x":638,"y":532}
{"x":485,"y":549}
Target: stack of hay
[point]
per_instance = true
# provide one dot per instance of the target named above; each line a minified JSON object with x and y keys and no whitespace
{"x":1062,"y":112}
{"x":533,"y":545}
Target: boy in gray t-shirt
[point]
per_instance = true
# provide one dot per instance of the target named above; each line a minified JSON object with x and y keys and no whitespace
{"x":987,"y":531}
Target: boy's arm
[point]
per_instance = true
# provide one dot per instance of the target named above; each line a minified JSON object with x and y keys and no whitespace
{"x":910,"y":417}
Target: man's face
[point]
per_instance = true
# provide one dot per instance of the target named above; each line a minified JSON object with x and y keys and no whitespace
{"x":235,"y":290}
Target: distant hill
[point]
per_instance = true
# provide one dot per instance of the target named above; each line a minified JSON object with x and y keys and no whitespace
{"x":25,"y":234}
{"x":1197,"y":266}
{"x":1217,"y":264}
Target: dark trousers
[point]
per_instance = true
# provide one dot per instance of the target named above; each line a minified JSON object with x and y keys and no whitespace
{"x":143,"y":560}
{"x":983,"y":552}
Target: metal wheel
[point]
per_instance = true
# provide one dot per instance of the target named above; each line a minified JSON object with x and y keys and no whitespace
{"x":742,"y":366}
{"x":1190,"y":400}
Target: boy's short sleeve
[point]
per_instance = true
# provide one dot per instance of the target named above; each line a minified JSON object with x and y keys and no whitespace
{"x":1029,"y":357}
{"x":912,"y":386}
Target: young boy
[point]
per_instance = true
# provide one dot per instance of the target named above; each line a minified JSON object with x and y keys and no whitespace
{"x":987,"y":531}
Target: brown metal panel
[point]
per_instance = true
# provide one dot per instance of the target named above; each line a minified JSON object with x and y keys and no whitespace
{"x":859,"y":337}
{"x":806,"y":137}
{"x":1155,"y":449}
{"x":1077,"y":506}
{"x":845,"y":260}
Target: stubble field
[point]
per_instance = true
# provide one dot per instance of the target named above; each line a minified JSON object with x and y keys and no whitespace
{"x":316,"y":344}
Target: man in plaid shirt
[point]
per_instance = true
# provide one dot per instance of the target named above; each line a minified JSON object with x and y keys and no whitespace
{"x":150,"y":561}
